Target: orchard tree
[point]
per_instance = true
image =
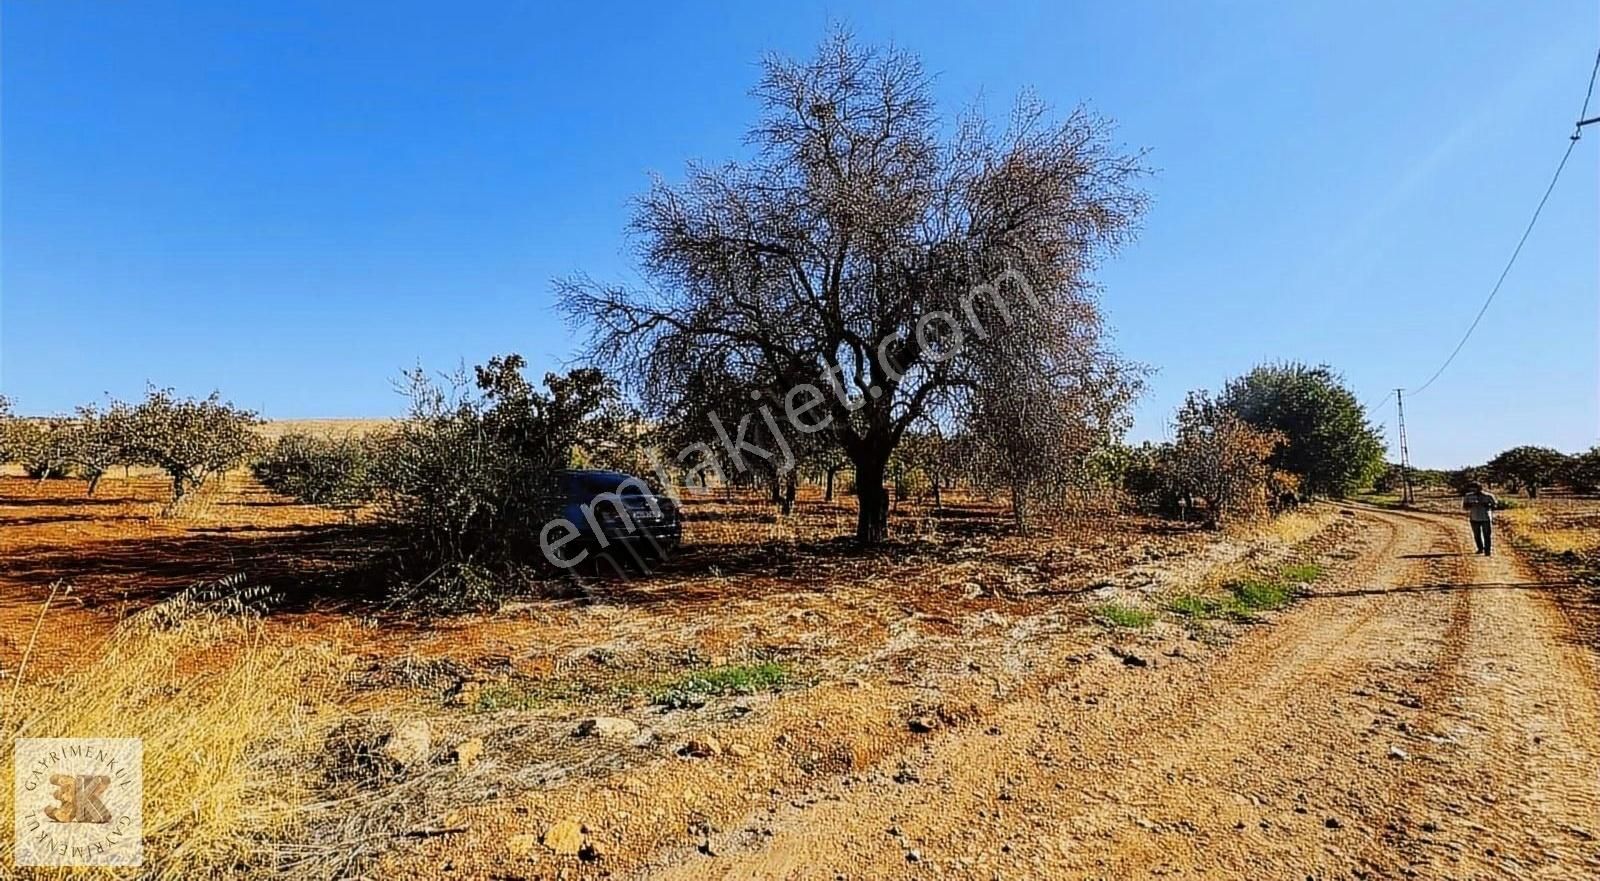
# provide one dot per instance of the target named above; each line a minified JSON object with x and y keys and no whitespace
{"x":858,"y":262}
{"x":1528,"y":468}
{"x":828,"y":462}
{"x":191,"y":439}
{"x":1327,"y":439}
{"x":100,"y":439}
{"x":932,"y":458}
{"x":1583,"y":471}
{"x":1461,"y":480}
{"x":7,"y":420}
{"x":332,"y":471}
{"x":1036,"y":431}
{"x":43,"y":447}
{"x":1220,"y":459}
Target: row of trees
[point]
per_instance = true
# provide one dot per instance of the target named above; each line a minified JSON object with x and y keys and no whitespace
{"x":1525,"y":469}
{"x":874,"y":288}
{"x":1280,"y":431}
{"x":190,"y":439}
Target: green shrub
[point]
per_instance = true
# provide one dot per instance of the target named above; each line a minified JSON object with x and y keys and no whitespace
{"x":465,"y":480}
{"x":320,"y":471}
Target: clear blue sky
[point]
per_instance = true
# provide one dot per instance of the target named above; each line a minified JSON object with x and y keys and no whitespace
{"x":292,"y":202}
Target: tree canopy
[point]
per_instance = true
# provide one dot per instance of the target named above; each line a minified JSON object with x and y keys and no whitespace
{"x":1326,"y":438}
{"x":865,"y":269}
{"x":1528,"y":468}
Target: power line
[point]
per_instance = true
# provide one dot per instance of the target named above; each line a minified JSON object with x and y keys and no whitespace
{"x":1571,"y":145}
{"x":1583,"y":115}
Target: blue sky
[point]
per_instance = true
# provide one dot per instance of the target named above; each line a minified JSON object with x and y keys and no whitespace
{"x":293,"y":202}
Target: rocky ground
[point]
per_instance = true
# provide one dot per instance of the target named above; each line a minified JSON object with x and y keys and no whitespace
{"x":1425,"y":713}
{"x":967,"y":703}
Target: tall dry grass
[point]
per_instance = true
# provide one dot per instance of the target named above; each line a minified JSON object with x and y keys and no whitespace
{"x":230,"y":721}
{"x":1544,"y":529}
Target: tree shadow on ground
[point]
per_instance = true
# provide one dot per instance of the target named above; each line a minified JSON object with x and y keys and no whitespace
{"x":296,"y":562}
{"x":69,"y":502}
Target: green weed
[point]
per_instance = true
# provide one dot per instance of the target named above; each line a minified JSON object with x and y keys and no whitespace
{"x":693,"y":688}
{"x":1248,"y":596}
{"x":1118,"y":615}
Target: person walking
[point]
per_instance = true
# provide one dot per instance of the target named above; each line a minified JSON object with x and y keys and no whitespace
{"x":1479,"y":506}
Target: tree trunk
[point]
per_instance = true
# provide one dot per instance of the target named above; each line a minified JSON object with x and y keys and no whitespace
{"x":872,"y":512}
{"x":177,"y":487}
{"x":790,"y":489}
{"x":938,"y":498}
{"x":775,"y":488}
{"x":827,"y":496}
{"x":1019,"y":507}
{"x":94,"y":481}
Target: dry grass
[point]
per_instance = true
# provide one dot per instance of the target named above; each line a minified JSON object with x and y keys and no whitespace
{"x":1554,"y":530}
{"x":1293,"y":527}
{"x":769,"y":611}
{"x":276,"y":428}
{"x":229,"y":721}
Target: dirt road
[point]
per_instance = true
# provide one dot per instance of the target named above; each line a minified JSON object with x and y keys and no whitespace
{"x":1427,"y":714}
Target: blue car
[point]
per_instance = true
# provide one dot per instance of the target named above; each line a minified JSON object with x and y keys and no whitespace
{"x":613,"y":511}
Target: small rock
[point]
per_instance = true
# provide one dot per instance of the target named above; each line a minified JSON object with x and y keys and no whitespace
{"x":1129,"y":658}
{"x":468,"y":751}
{"x":466,"y":694}
{"x":409,"y":743}
{"x":701,"y":747}
{"x":707,"y":847}
{"x":1333,"y":823}
{"x":738,"y":750}
{"x":606,"y":726}
{"x":564,"y":837}
{"x":922,"y":724}
{"x":913,"y":856}
{"x":1398,"y":754}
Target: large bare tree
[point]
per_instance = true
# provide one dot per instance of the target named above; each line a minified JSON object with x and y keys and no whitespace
{"x":861,"y":258}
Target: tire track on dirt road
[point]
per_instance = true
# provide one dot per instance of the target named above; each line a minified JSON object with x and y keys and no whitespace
{"x":1421,"y":715}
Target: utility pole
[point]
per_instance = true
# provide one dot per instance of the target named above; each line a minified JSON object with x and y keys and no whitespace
{"x":1405,"y":455}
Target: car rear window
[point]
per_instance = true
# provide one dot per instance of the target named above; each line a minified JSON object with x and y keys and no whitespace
{"x":605,"y":482}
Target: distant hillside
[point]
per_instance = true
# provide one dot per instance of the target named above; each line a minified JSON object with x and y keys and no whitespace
{"x":276,"y":428}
